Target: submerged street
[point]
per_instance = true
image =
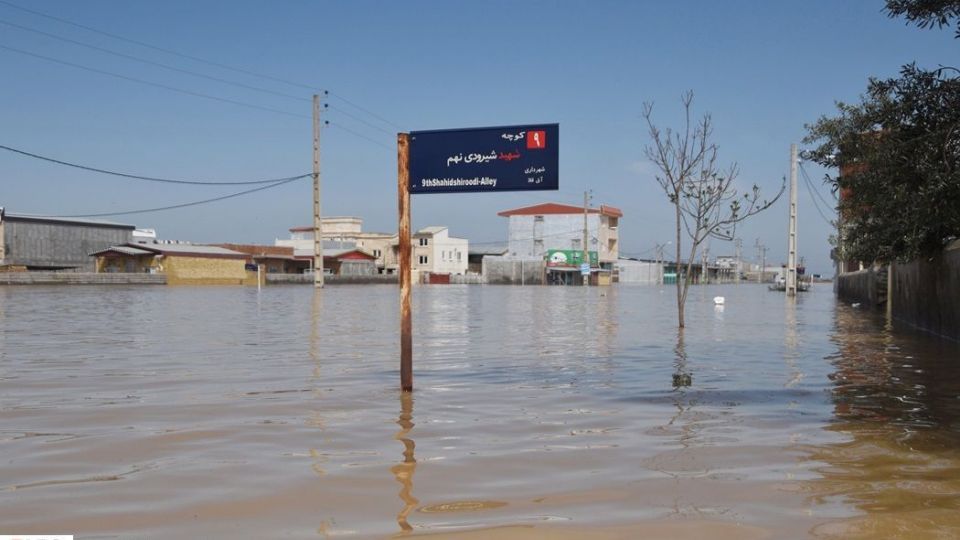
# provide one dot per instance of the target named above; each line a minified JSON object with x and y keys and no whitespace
{"x":216,"y":411}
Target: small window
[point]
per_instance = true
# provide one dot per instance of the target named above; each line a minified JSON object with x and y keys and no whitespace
{"x":538,"y":218}
{"x":458,"y":257}
{"x":423,"y":259}
{"x":424,"y":241}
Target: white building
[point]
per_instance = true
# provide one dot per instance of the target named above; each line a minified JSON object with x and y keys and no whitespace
{"x":344,"y":232}
{"x":533,"y":230}
{"x":435,"y":251}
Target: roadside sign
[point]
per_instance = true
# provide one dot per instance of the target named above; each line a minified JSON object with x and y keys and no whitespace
{"x":507,"y":158}
{"x":585,"y":269}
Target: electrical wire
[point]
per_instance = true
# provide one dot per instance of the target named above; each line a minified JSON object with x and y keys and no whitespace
{"x":152,"y":63}
{"x":185,"y":205}
{"x":156,"y":48}
{"x":151,"y":178}
{"x":810,"y":191}
{"x":368,"y":111}
{"x":361,"y":120}
{"x":804,"y":172}
{"x":360,"y":135}
{"x":235,"y":69}
{"x":149,"y":83}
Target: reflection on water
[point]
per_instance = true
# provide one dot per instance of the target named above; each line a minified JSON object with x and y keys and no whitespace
{"x":552,"y":411}
{"x":896,"y":403}
{"x":403,"y":472}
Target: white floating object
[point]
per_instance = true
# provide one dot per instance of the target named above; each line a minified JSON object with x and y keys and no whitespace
{"x":718,"y":300}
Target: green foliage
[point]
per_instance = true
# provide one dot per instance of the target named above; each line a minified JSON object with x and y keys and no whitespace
{"x":926,"y":13}
{"x":898,"y":152}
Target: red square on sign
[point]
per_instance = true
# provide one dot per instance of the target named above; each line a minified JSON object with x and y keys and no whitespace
{"x":536,"y":139}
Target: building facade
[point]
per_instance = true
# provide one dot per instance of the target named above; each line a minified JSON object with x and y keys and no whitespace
{"x":344,"y":232}
{"x":435,"y":251}
{"x":550,"y":228}
{"x":49,"y":243}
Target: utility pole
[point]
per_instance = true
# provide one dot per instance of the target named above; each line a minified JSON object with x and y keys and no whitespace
{"x":704,"y":276}
{"x":586,"y":252}
{"x":317,"y":226}
{"x":761,"y":254}
{"x":792,"y":238}
{"x":736,"y":270}
{"x":659,"y":248}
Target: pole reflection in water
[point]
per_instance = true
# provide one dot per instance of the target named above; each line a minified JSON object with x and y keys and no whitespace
{"x":791,"y":342}
{"x":403,"y":472}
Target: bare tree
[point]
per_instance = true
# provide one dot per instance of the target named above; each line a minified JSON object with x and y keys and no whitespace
{"x":703,"y":195}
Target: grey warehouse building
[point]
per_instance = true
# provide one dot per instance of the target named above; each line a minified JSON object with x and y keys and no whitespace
{"x":52,"y":243}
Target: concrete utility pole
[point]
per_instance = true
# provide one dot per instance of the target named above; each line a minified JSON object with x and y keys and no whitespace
{"x":762,"y":255}
{"x":736,"y":270}
{"x":792,"y":238}
{"x":317,"y":227}
{"x":660,"y":263}
{"x":704,"y":276}
{"x":586,"y":252}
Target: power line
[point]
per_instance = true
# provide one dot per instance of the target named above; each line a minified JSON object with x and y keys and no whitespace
{"x":149,"y":83}
{"x":361,"y":120}
{"x":810,"y":181}
{"x":360,"y":135}
{"x":152,"y":63}
{"x":184,"y":205}
{"x":157,"y":48}
{"x":196,"y":59}
{"x":151,"y":178}
{"x":368,"y":111}
{"x":816,"y":205}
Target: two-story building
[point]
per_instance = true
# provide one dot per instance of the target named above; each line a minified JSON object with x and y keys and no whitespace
{"x":344,"y":232}
{"x":534,"y":231}
{"x":435,"y":251}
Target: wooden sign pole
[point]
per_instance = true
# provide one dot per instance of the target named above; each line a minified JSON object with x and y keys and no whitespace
{"x":403,"y":205}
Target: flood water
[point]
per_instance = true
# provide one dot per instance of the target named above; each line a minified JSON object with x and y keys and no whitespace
{"x":539,"y":412}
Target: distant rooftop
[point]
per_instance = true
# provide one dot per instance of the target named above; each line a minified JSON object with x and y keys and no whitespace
{"x":557,"y":208}
{"x":7,"y":216}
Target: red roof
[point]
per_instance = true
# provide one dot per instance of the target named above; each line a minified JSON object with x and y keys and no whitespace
{"x":557,"y":208}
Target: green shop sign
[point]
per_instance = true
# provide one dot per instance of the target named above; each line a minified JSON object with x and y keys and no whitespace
{"x":569,"y":257}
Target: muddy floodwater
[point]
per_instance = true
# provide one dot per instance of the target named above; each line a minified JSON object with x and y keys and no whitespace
{"x":539,"y":412}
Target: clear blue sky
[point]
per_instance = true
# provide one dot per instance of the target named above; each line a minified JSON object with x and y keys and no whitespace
{"x":762,"y":69}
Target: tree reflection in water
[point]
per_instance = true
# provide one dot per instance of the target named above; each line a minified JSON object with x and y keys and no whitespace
{"x":896,"y":403}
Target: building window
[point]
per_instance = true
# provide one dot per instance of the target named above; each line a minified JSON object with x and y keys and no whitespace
{"x":538,"y":218}
{"x":443,"y":255}
{"x":423,"y":259}
{"x":458,"y":257}
{"x":377,"y":253}
{"x":424,"y":241}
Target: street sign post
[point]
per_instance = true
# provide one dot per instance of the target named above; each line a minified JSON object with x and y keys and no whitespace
{"x":475,"y":160}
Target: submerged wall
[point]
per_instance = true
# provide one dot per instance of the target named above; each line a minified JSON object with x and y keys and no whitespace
{"x":923,"y":293}
{"x":926,"y":293}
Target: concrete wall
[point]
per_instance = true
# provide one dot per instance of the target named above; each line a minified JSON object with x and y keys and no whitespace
{"x":926,"y":294}
{"x":862,"y":287}
{"x":512,"y":271}
{"x":79,"y":278}
{"x":204,"y":271}
{"x":56,"y":245}
{"x":292,"y":279}
{"x":639,"y":272}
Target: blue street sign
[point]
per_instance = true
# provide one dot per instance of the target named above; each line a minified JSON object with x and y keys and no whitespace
{"x":585,"y":269}
{"x":508,"y":158}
